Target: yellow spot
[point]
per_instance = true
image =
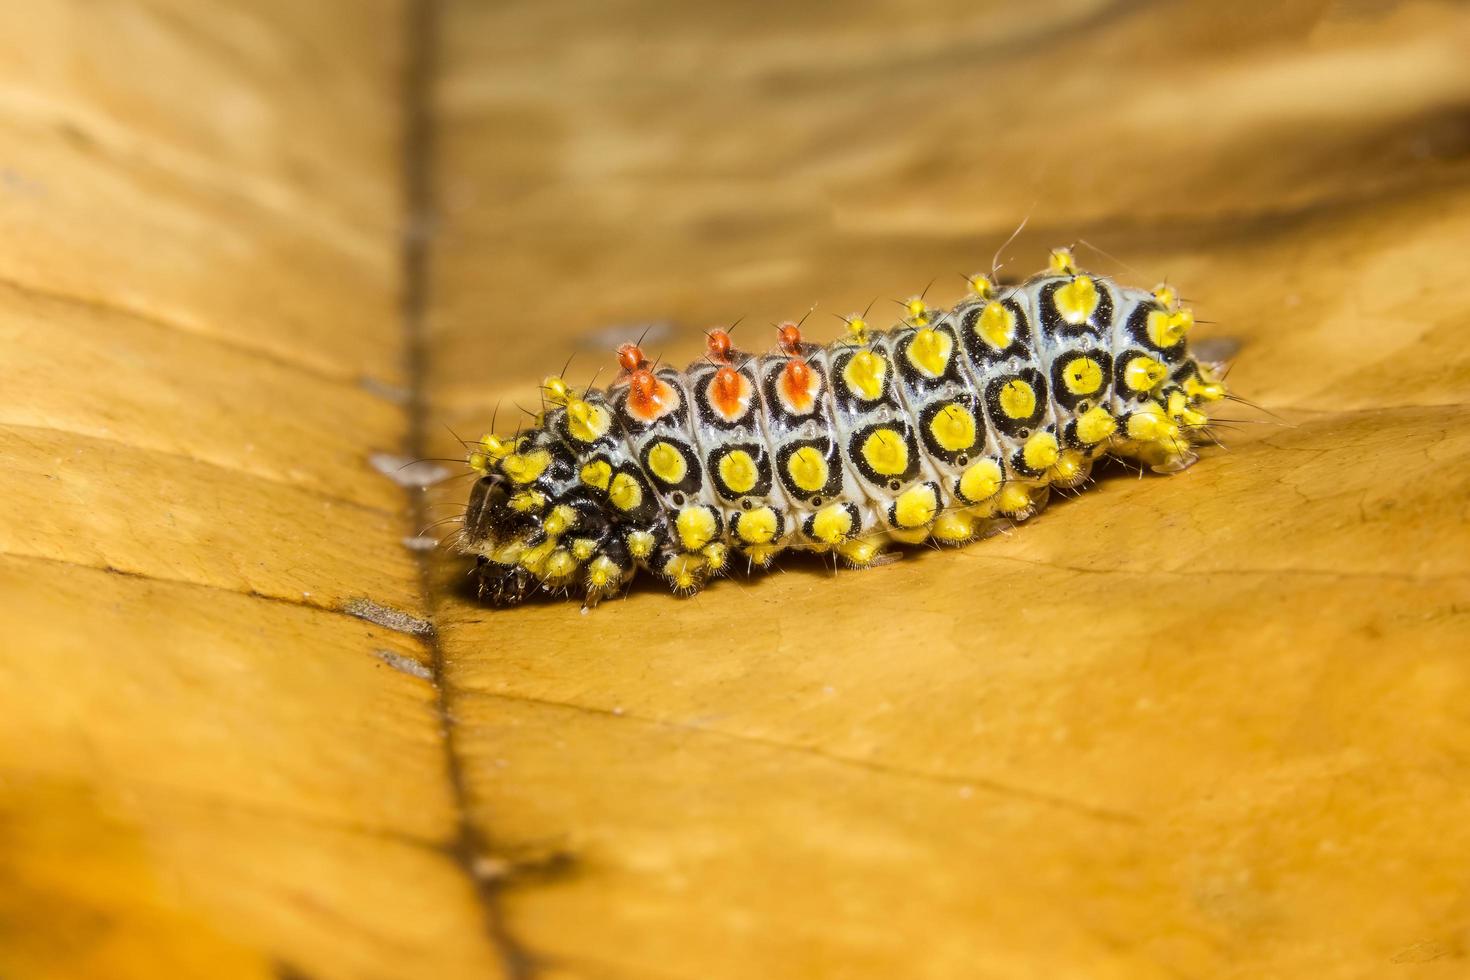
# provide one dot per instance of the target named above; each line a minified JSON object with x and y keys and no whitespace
{"x":1150,"y":424}
{"x":527,"y":501}
{"x":479,"y":462}
{"x":1061,"y":262}
{"x":1014,"y":498}
{"x":738,"y":471}
{"x":832,"y":524}
{"x":587,"y":422}
{"x":953,"y":528}
{"x":696,"y":526}
{"x":1165,"y":295}
{"x":980,"y":481}
{"x":916,"y":506}
{"x":857,"y":329}
{"x":559,"y":520}
{"x":526,"y":467}
{"x":667,"y":463}
{"x":1143,"y":373}
{"x":929,"y":351}
{"x":560,"y":564}
{"x":603,"y":573}
{"x":864,"y":374}
{"x":996,"y":326}
{"x":555,"y":390}
{"x":886,"y":452}
{"x":624,"y":492}
{"x":1017,"y":399}
{"x":597,"y":474}
{"x":858,"y":551}
{"x":716,"y":554}
{"x":1040,"y":451}
{"x":953,"y":427}
{"x":1068,"y":466}
{"x":1095,"y":425}
{"x":1077,"y":300}
{"x":583,"y":548}
{"x":981,"y":286}
{"x":917,"y":311}
{"x":808,"y":469}
{"x":1082,"y":375}
{"x":640,"y":544}
{"x":756,"y":526}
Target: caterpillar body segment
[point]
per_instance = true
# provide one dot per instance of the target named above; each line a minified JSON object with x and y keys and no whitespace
{"x":946,"y":427}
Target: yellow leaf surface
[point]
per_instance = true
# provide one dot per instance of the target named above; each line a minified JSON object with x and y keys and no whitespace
{"x":1202,"y":725}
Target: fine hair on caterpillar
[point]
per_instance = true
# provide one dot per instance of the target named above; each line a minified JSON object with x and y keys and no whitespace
{"x":947,"y":427}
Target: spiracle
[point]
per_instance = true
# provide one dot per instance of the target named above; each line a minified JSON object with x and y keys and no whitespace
{"x":947,"y":427}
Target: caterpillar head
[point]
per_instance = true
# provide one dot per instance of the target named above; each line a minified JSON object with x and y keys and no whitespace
{"x":540,"y":517}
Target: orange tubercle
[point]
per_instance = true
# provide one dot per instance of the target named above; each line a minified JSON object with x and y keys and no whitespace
{"x":729,"y":392}
{"x":717,"y":342}
{"x":789,"y":336}
{"x":648,"y":396}
{"x":630,"y":357}
{"x":796,"y":384}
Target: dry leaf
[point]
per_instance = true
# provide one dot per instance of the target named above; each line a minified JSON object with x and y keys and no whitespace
{"x":1203,"y":725}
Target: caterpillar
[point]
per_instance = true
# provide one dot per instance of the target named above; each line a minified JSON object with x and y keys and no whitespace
{"x":949,"y":426}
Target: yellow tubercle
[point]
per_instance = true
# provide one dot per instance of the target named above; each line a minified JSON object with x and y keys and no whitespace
{"x":527,"y":501}
{"x":683,"y":570}
{"x":738,"y":471}
{"x":980,"y":481}
{"x":1144,"y":374}
{"x":624,"y":492}
{"x":1068,"y":466}
{"x":763,"y":554}
{"x":864,"y":374}
{"x":756,"y":526}
{"x":1203,"y":391}
{"x":526,"y":467}
{"x":555,"y":390}
{"x":1166,"y":296}
{"x":955,"y":527}
{"x":981,"y":286}
{"x":560,"y":520}
{"x":918,"y":313}
{"x":640,"y":544}
{"x":831,"y":524}
{"x":808,"y":469}
{"x":587,"y":422}
{"x":1077,"y":300}
{"x":1095,"y":425}
{"x":603,"y":573}
{"x":857,"y":329}
{"x":696,"y":527}
{"x":597,"y":473}
{"x":954,"y":428}
{"x":858,"y":552}
{"x":559,"y":564}
{"x":1017,"y":399}
{"x":1150,"y":424}
{"x":533,"y":560}
{"x":1062,"y":262}
{"x":996,"y":325}
{"x":583,"y":548}
{"x":1040,"y":451}
{"x":886,"y":451}
{"x":1165,"y":329}
{"x":716,"y":554}
{"x":929,"y":351}
{"x":1014,"y":497}
{"x":916,"y":506}
{"x":667,"y":463}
